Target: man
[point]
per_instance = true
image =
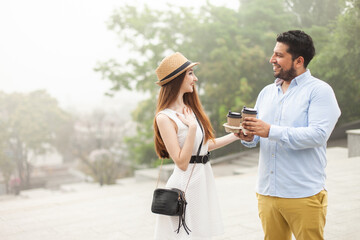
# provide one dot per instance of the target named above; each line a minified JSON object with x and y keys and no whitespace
{"x":296,"y":115}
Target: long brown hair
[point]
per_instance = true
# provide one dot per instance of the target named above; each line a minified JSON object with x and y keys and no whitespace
{"x":167,"y":95}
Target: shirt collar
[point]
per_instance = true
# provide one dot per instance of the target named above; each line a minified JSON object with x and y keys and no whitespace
{"x":297,"y":81}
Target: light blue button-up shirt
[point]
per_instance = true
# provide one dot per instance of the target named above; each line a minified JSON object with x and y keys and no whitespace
{"x":293,"y":158}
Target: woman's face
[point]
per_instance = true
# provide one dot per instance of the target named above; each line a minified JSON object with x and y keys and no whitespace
{"x":189,"y":81}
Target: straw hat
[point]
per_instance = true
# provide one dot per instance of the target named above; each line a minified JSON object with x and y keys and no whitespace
{"x":171,"y":67}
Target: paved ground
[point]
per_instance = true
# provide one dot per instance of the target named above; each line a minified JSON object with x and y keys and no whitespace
{"x":86,"y":211}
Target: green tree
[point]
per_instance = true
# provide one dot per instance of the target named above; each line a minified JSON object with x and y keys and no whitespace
{"x":98,"y":145}
{"x":228,"y":43}
{"x":7,"y":166}
{"x":314,"y":12}
{"x":105,"y":169}
{"x":233,"y":46}
{"x":30,"y":125}
{"x":338,"y":63}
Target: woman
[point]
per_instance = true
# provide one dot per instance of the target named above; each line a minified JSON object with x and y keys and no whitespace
{"x":178,"y":136}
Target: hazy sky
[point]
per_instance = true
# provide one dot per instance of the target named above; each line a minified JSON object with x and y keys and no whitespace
{"x":54,"y":45}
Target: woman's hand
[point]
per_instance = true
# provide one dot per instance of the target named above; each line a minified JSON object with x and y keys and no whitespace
{"x":188,"y":119}
{"x":248,"y":138}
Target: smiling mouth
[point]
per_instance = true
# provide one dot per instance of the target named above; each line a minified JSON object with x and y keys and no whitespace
{"x":276,"y":67}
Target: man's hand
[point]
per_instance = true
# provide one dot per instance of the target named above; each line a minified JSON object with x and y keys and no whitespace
{"x":248,"y":138}
{"x":256,"y":127}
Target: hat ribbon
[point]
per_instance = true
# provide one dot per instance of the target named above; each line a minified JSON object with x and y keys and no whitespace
{"x":179,"y":69}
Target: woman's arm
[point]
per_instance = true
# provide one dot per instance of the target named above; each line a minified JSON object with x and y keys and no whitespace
{"x":181,"y":156}
{"x":222,"y":141}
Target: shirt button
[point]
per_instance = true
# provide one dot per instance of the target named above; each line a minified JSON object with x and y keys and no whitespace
{"x":272,"y":155}
{"x":271,"y":172}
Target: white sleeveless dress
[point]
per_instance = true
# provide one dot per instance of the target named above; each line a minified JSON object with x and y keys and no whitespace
{"x":203,"y":215}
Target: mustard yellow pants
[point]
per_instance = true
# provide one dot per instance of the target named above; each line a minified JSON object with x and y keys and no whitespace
{"x":304,"y":217}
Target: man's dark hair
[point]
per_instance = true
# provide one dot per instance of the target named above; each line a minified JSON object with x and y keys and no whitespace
{"x":300,"y":44}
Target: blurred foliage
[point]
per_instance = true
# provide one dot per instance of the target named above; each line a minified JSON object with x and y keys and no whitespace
{"x":105,"y":167}
{"x":33,"y":124}
{"x":233,"y":46}
{"x":7,"y":166}
{"x":98,"y":145}
{"x":314,"y":12}
{"x":338,"y":63}
{"x":30,"y":124}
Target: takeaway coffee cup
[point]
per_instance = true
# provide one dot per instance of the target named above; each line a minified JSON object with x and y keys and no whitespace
{"x":248,"y":112}
{"x":234,"y":119}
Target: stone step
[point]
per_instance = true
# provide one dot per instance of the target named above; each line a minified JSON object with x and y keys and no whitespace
{"x":249,"y":158}
{"x":152,"y":174}
{"x":244,"y":164}
{"x":244,"y":170}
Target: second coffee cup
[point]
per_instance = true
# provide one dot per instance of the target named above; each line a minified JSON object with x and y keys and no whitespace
{"x":234,"y":119}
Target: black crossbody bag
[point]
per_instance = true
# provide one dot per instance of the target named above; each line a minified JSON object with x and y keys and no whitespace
{"x":172,"y":202}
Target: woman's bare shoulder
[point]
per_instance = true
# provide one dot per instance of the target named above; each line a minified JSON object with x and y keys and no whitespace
{"x":162,"y":117}
{"x":164,"y":120}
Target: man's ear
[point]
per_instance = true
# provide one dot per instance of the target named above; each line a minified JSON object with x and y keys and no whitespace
{"x":299,"y":62}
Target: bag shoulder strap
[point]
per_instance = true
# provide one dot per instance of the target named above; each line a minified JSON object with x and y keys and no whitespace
{"x":198,"y":152}
{"x":197,"y":155}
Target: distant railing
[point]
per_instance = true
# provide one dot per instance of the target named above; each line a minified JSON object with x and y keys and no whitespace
{"x":353,"y":139}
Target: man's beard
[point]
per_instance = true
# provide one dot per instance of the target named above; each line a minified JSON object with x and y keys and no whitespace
{"x":286,"y":75}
